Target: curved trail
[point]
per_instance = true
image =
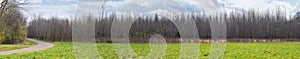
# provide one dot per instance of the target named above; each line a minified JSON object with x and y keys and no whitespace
{"x":40,"y":46}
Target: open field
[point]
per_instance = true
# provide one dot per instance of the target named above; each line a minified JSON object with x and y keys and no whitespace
{"x":64,"y":50}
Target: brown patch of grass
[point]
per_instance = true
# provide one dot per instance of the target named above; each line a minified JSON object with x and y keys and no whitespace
{"x":1,"y":48}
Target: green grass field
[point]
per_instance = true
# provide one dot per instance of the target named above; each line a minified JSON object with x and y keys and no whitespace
{"x":64,"y":50}
{"x":20,"y":46}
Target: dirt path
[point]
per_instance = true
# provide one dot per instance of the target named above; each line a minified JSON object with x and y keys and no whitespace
{"x":40,"y":46}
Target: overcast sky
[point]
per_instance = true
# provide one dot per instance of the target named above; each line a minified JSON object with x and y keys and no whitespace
{"x":68,"y":8}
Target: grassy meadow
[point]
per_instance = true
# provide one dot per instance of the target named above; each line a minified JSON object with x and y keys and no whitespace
{"x":64,"y":50}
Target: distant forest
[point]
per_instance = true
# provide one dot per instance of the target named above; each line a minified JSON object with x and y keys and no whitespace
{"x":241,"y":25}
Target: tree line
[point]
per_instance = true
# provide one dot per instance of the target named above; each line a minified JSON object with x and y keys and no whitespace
{"x":246,"y":25}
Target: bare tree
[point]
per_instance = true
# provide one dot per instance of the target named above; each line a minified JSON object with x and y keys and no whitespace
{"x":12,"y":22}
